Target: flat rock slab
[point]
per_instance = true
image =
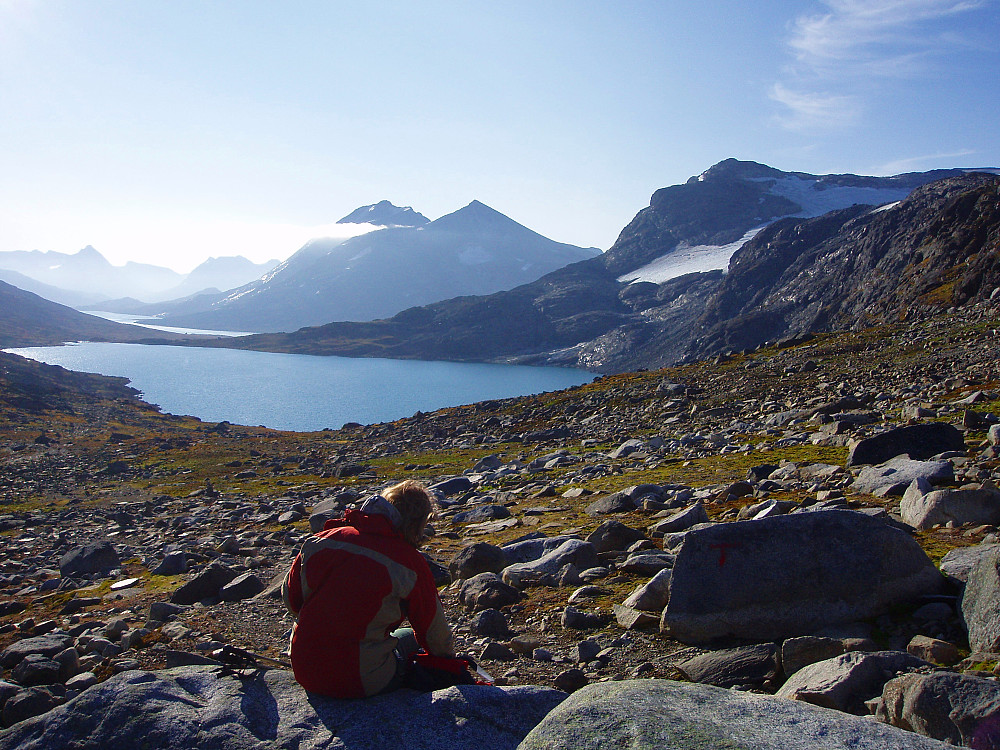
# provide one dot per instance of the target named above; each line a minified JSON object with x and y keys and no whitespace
{"x":190,"y":707}
{"x":643,"y":714}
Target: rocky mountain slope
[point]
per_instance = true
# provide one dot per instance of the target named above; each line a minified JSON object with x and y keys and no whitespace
{"x":110,"y":510}
{"x":29,"y":320}
{"x":475,"y":250}
{"x":796,"y":275}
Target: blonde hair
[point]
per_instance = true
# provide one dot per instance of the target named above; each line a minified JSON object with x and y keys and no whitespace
{"x":411,"y":499}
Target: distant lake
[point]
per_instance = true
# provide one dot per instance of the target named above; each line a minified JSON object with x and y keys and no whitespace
{"x":147,"y":322}
{"x":297,"y":391}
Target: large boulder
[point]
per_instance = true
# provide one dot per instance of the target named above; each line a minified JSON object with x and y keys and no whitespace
{"x":205,"y":585}
{"x":651,"y":596}
{"x":481,"y":513}
{"x":474,"y":559}
{"x":845,"y":682}
{"x":960,"y":709}
{"x":487,"y":591}
{"x":961,"y":506}
{"x":732,"y":667}
{"x":613,"y":535}
{"x":896,"y":474}
{"x":47,"y":645}
{"x":981,"y":603}
{"x":199,"y":707}
{"x":959,"y":562}
{"x":918,"y":441}
{"x":640,"y":714}
{"x":791,"y":575}
{"x":89,"y":558}
{"x":572,"y":551}
{"x":527,"y":550}
{"x":681,"y":520}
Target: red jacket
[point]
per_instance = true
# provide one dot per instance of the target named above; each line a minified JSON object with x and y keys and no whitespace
{"x":349,"y":587}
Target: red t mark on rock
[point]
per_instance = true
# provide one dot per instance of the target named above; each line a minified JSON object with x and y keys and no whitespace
{"x":722,"y":547}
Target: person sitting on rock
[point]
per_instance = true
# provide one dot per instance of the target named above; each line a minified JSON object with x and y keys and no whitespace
{"x":351,"y":586}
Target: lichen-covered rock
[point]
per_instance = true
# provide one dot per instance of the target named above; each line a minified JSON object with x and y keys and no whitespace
{"x":197,"y":707}
{"x":642,"y":714}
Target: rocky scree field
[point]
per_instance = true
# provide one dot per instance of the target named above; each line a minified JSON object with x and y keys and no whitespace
{"x":137,"y":539}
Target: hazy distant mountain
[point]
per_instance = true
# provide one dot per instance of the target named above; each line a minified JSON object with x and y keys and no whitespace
{"x":55,"y":294}
{"x":384,"y":214}
{"x":28,"y":320}
{"x":84,"y":278}
{"x":89,"y":271}
{"x":475,"y":250}
{"x":660,"y":294}
{"x":219,"y":274}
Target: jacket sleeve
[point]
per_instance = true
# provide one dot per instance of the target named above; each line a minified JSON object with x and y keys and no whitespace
{"x":291,"y":588}
{"x":426,"y":615}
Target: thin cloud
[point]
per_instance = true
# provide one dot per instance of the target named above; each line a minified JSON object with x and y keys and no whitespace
{"x":809,"y":109}
{"x":855,"y":42}
{"x":872,"y":31}
{"x":921,"y":163}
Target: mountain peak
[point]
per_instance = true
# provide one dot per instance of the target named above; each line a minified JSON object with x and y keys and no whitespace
{"x":729,"y":169}
{"x":476,"y":216}
{"x":385,"y":214}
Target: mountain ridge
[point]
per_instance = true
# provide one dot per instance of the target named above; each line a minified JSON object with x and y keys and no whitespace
{"x":385,"y":214}
{"x":473,"y":250}
{"x":581,"y":315}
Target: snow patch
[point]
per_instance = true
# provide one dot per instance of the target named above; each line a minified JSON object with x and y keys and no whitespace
{"x":817,"y":199}
{"x":886,"y":207}
{"x":474,"y":256}
{"x":688,"y":259}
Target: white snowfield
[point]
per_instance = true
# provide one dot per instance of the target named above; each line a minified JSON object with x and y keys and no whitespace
{"x":688,"y":259}
{"x":815,"y":199}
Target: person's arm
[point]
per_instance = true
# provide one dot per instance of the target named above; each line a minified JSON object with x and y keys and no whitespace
{"x":426,"y":615}
{"x":291,"y":588}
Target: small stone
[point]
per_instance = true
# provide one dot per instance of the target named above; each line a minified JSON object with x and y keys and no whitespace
{"x":586,"y":651}
{"x":571,"y":680}
{"x":490,"y":623}
{"x":933,"y":650}
{"x":496,"y":652}
{"x":577,"y":619}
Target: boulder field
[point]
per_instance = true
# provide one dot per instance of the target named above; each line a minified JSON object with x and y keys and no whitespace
{"x":712,"y":554}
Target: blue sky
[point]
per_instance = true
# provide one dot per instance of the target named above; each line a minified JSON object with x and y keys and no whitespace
{"x":169,"y":131}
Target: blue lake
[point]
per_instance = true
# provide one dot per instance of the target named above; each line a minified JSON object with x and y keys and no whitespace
{"x":295,"y":391}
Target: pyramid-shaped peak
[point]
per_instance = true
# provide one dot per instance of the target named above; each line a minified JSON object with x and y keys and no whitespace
{"x":476,"y":216}
{"x":385,"y":214}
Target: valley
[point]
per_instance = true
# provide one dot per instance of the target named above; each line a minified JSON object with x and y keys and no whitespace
{"x":85,"y":461}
